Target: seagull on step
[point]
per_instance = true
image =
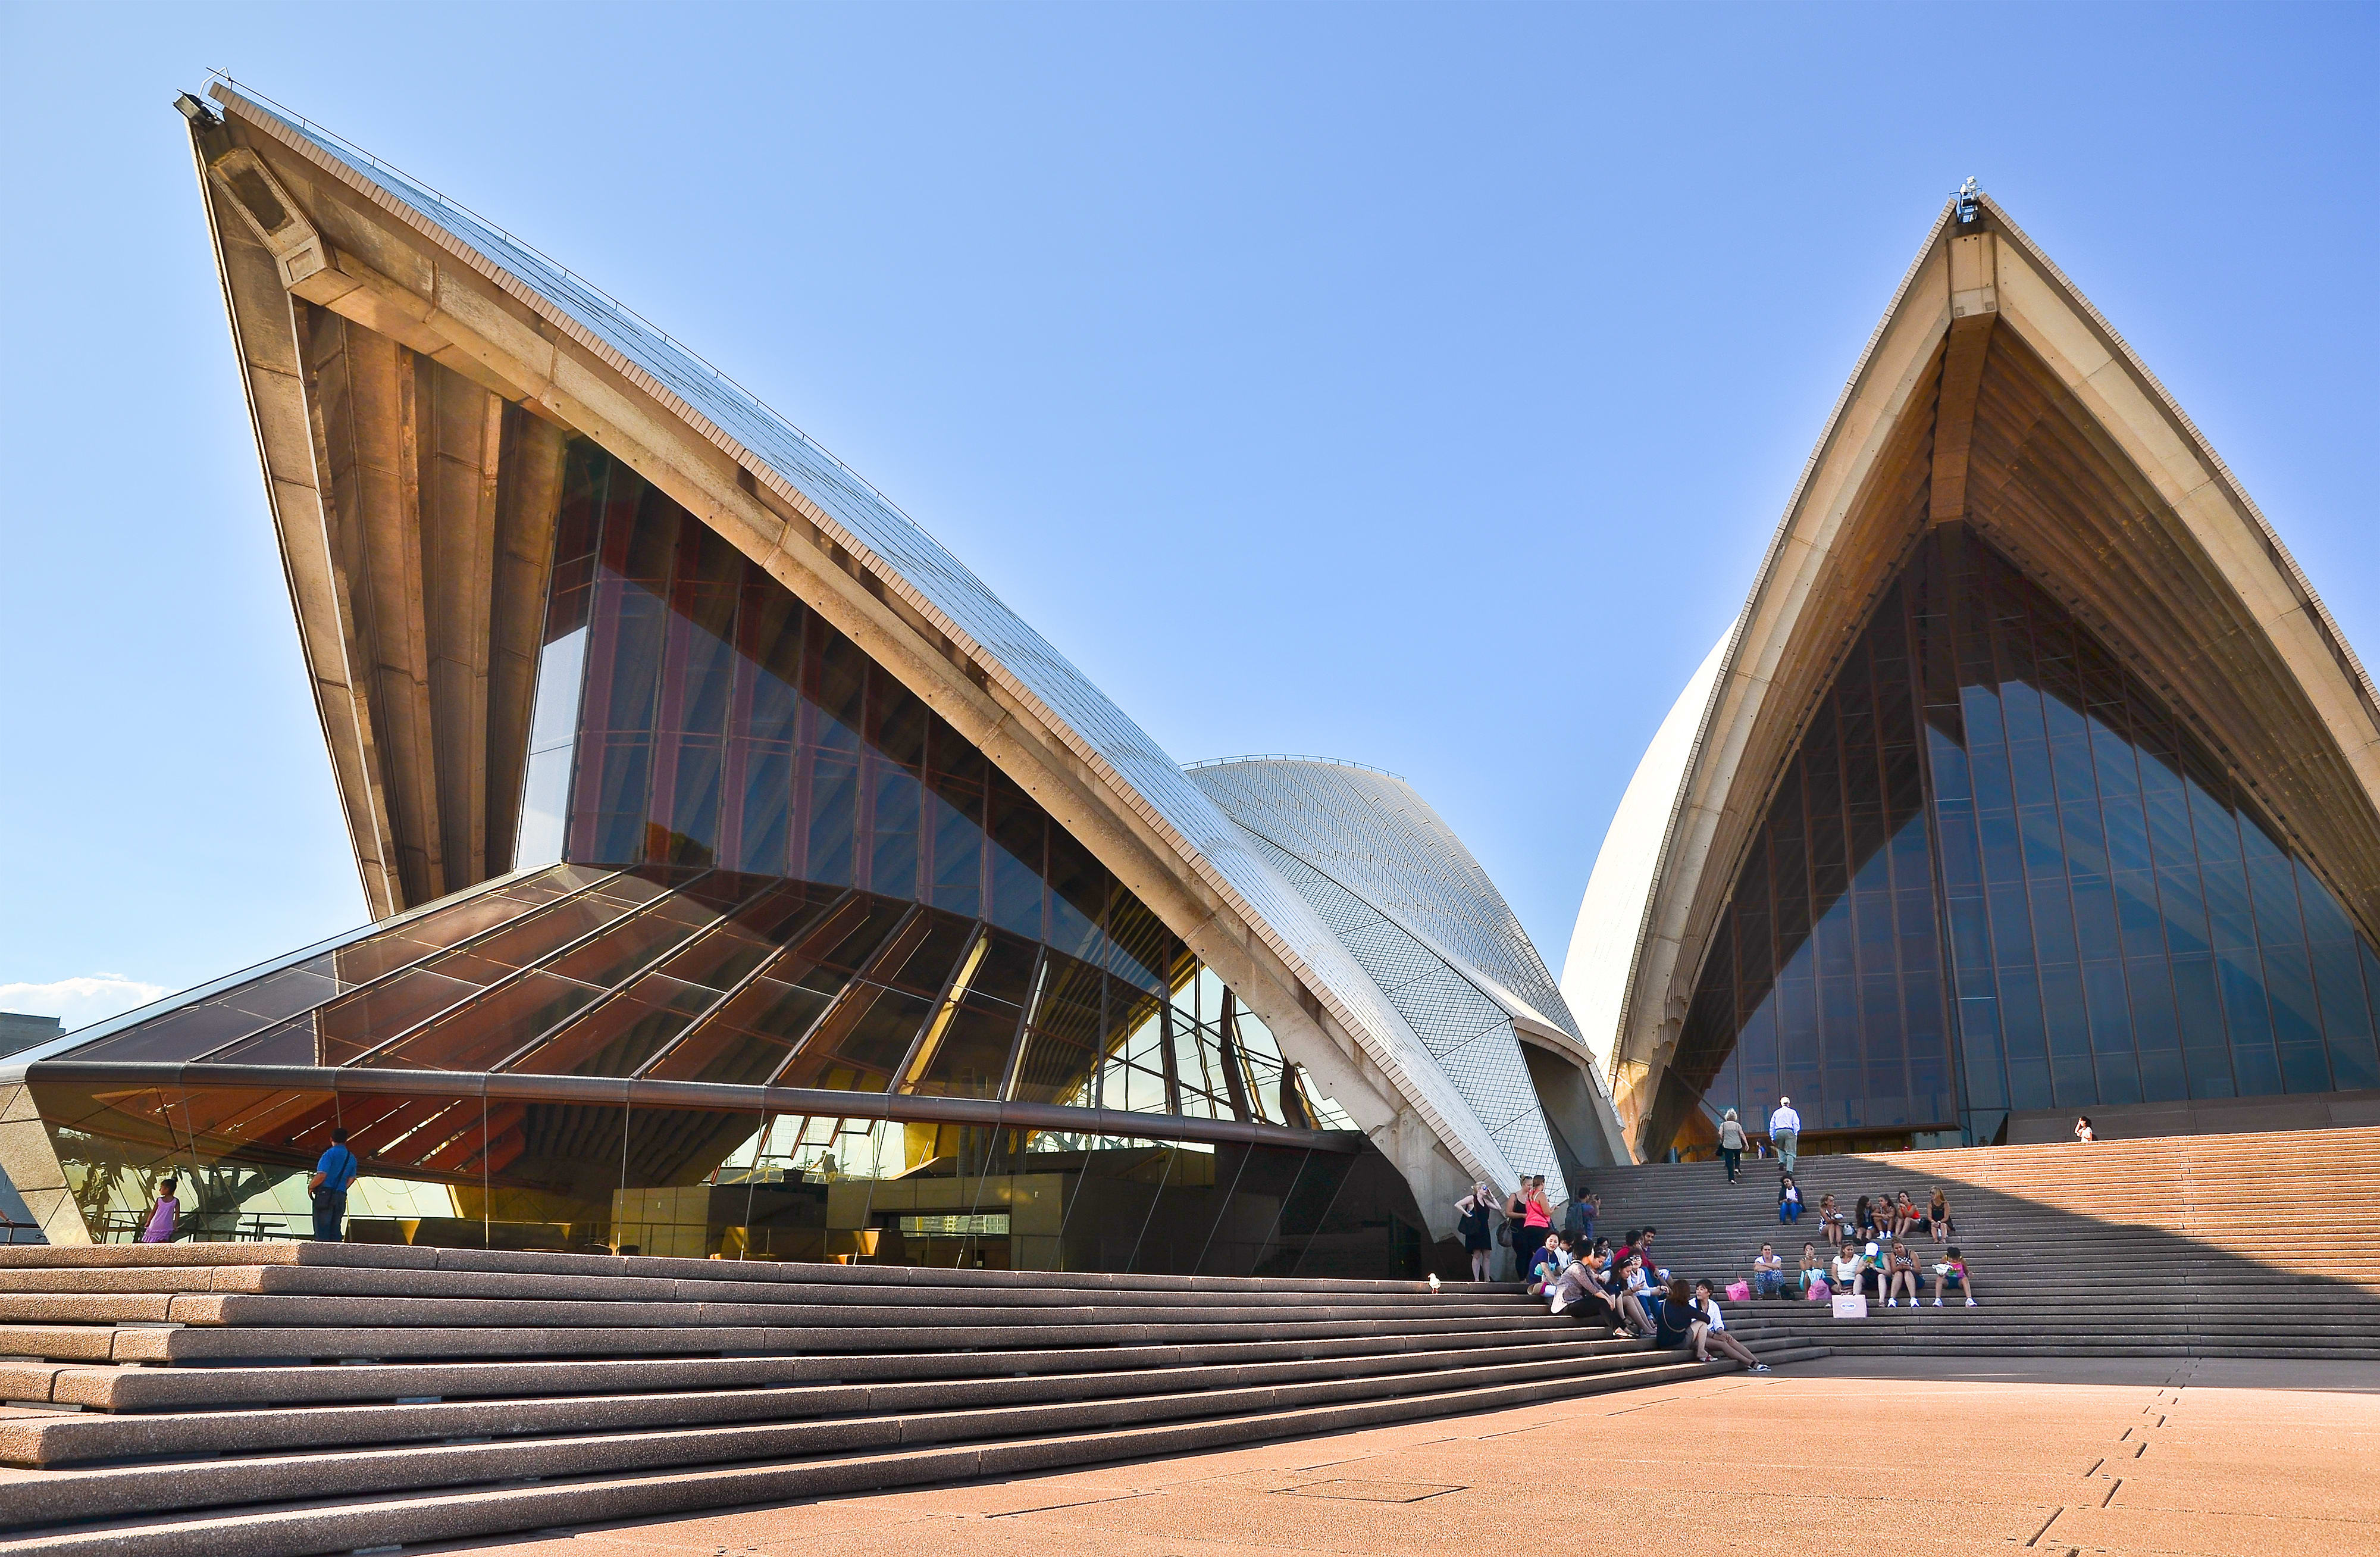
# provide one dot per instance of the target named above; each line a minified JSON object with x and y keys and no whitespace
{"x":1434,"y":1282}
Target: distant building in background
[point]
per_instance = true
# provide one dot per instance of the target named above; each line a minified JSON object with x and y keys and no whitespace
{"x":19,"y":1031}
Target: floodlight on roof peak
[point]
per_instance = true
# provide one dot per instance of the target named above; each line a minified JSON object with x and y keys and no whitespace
{"x":1970,"y":199}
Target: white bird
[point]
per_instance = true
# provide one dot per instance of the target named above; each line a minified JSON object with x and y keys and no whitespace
{"x":1434,"y":1282}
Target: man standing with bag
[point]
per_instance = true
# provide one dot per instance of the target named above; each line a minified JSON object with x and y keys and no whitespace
{"x":337,"y":1170}
{"x":1785,"y":1131}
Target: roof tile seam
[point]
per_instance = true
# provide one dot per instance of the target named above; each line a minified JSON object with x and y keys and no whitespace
{"x":1439,"y":853}
{"x":1466,"y":967}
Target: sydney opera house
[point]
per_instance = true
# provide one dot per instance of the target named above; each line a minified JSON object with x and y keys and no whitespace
{"x":749,"y":880}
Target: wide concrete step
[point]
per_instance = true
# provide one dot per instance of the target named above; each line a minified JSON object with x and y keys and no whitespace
{"x":713,"y":1286}
{"x":326,"y":1342}
{"x":148,"y":1402}
{"x":67,"y":1438}
{"x":217,"y":1308}
{"x":413,"y":1516}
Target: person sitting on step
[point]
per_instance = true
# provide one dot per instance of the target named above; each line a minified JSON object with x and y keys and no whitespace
{"x":1904,"y":1216}
{"x":1938,"y":1216}
{"x":1709,"y":1330}
{"x":1951,"y":1271}
{"x":1642,"y":1284}
{"x":1843,"y":1270}
{"x":1581,"y":1285}
{"x":1863,"y":1222}
{"x":1813,"y":1270}
{"x":1631,"y":1296}
{"x":1832,"y":1220}
{"x":1789,"y":1201}
{"x":1621,"y":1256}
{"x":1674,"y":1320}
{"x":1545,"y":1264}
{"x":1767,"y":1273}
{"x":1657,"y":1271}
{"x":1900,"y":1272}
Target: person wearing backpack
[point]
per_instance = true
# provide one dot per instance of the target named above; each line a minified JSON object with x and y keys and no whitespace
{"x":333,"y":1174}
{"x":1730,"y":1143}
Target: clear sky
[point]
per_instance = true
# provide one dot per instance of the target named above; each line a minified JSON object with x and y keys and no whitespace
{"x":1413,"y":384}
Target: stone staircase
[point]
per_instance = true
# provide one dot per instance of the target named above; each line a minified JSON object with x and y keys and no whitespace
{"x":2243,"y":1246}
{"x":267,"y":1400}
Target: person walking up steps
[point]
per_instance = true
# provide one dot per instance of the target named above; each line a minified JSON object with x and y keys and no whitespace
{"x":1730,"y":1143}
{"x":1785,"y":1130}
{"x":333,"y":1174}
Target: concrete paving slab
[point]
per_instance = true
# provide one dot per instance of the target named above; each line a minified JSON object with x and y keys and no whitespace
{"x":2194,"y":1533}
{"x":2054,"y":1455}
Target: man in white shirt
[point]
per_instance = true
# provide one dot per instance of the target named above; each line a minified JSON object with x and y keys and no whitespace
{"x":1785,"y":1131}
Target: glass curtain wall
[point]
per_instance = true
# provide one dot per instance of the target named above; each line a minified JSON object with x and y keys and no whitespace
{"x":525,"y":1008}
{"x":1824,"y":982}
{"x":2062,"y":887}
{"x":784,"y":871}
{"x":2124,"y":925}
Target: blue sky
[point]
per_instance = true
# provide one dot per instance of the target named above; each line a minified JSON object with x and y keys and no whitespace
{"x":1413,"y":384}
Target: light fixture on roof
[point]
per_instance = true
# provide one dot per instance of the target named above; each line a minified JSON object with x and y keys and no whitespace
{"x":196,"y":110}
{"x":1970,"y":209}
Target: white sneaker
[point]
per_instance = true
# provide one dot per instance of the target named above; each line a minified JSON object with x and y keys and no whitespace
{"x":1892,"y":1302}
{"x":1937,"y":1302}
{"x":1970,"y":1303}
{"x":1559,"y":1304}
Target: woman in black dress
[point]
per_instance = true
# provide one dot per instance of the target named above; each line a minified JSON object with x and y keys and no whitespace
{"x":1471,"y":1215}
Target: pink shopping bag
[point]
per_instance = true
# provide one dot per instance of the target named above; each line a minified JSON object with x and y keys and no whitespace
{"x":1739,"y":1292}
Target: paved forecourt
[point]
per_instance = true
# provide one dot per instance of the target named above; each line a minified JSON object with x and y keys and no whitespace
{"x":1912,"y":1457}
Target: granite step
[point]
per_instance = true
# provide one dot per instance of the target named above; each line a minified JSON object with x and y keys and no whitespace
{"x":415,"y":1515}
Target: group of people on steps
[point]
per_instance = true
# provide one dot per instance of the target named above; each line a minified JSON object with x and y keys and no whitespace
{"x":1571,"y":1268}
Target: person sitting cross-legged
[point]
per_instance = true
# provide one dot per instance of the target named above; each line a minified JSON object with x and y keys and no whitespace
{"x":1709,"y":1330}
{"x":1950,"y":1270}
{"x":1767,"y":1274}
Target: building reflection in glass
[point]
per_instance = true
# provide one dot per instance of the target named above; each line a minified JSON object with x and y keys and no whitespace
{"x":2061,"y":899}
